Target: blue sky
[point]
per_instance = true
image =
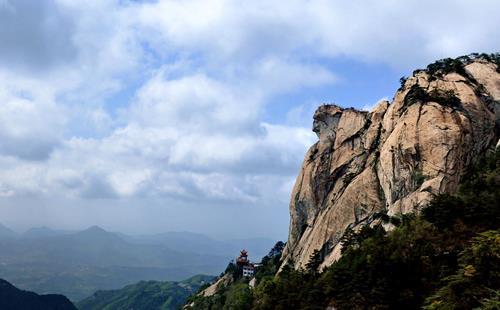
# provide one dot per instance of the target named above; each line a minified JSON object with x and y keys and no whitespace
{"x":151,"y":116}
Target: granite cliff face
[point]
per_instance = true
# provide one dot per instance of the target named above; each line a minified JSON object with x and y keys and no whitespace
{"x":396,"y":157}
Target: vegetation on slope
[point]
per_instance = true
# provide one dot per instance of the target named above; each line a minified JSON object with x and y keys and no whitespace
{"x":441,"y":67}
{"x":237,"y":294}
{"x":147,"y":295}
{"x":447,"y":257}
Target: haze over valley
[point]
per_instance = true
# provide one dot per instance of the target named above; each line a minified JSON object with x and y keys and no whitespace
{"x":78,"y":263}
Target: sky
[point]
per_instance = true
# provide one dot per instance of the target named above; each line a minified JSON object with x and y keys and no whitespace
{"x":195,"y":115}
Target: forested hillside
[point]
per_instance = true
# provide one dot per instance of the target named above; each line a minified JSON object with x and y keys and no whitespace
{"x":445,"y":257}
{"x":145,"y":295}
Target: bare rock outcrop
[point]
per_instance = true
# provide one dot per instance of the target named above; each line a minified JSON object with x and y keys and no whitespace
{"x":214,"y":287}
{"x":395,"y":158}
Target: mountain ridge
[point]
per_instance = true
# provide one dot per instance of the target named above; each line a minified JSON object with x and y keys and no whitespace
{"x":6,"y":232}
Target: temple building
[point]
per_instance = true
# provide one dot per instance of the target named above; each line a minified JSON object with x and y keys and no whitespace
{"x":242,"y":260}
{"x":247,"y":268}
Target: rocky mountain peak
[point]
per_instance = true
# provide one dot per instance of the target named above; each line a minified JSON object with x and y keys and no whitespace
{"x":396,"y":157}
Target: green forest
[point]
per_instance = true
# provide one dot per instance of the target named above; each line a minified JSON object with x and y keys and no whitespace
{"x":445,"y":257}
{"x":145,"y":295}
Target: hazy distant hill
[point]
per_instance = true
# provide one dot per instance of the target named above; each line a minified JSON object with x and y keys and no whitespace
{"x":42,"y":232}
{"x":6,"y":232}
{"x":12,"y":298}
{"x":202,"y":244}
{"x":145,"y":295}
{"x":77,"y":264}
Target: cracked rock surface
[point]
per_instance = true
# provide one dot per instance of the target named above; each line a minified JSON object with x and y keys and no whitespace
{"x":394,"y":158}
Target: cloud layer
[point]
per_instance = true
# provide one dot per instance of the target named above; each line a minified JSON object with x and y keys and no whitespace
{"x":140,"y":101}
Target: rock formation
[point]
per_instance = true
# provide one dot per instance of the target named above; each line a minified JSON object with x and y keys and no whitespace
{"x":396,"y":157}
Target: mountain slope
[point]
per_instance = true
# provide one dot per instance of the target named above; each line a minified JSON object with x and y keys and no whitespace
{"x":395,"y":158}
{"x":12,"y":298}
{"x":447,"y":257}
{"x":146,"y":295}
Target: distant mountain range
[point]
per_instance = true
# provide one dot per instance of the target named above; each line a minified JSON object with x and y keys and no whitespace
{"x":77,"y":264}
{"x":145,"y":295}
{"x":202,"y":244}
{"x":12,"y":298}
{"x":6,"y":232}
{"x":42,"y":232}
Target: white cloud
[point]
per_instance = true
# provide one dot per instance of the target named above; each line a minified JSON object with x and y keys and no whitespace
{"x":199,"y":76}
{"x":30,"y":122}
{"x":398,"y":33}
{"x":192,"y":101}
{"x":371,"y":106}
